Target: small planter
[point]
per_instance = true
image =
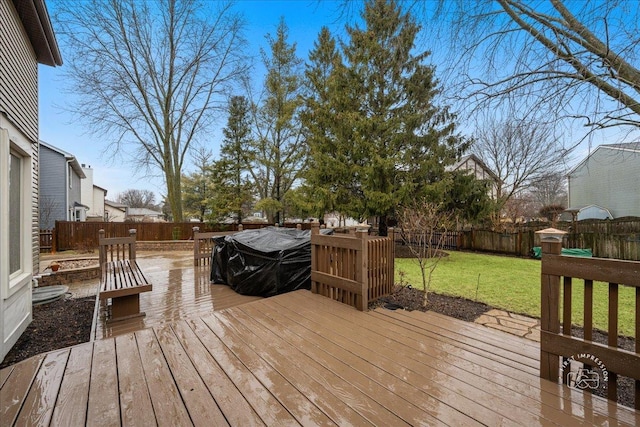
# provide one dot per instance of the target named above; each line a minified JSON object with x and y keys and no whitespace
{"x":54,"y":266}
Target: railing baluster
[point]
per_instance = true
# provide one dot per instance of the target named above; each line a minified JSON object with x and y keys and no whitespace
{"x":612,"y":387}
{"x":588,"y":310}
{"x":637,"y":339}
{"x":566,"y":313}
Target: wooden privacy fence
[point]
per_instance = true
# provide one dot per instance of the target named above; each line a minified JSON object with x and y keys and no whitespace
{"x":83,"y":235}
{"x":559,"y":347}
{"x":48,"y":240}
{"x":352,"y":268}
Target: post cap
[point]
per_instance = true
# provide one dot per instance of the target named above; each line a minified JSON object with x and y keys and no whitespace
{"x":551,"y":234}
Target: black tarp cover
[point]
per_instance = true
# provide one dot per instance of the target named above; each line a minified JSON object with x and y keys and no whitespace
{"x":265,"y":262}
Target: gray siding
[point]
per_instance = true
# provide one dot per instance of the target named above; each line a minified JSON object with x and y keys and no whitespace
{"x":609,"y":178}
{"x":35,"y":212}
{"x":18,"y":73}
{"x":53,"y":203}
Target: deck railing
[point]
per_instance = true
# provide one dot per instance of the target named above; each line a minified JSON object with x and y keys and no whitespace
{"x":203,"y":244}
{"x":353,"y":269}
{"x":559,"y":347}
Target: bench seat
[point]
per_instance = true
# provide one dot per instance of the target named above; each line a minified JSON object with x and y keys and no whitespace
{"x":123,"y":281}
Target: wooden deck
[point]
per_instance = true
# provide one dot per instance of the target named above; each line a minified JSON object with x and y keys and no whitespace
{"x":299,"y":359}
{"x":180,"y":291}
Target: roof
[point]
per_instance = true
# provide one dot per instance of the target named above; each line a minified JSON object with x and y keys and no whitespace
{"x":633,"y":147}
{"x":143,"y":212}
{"x":70,"y":157}
{"x":36,"y":22}
{"x":626,"y":146}
{"x":115,"y":205}
{"x":476,"y":159}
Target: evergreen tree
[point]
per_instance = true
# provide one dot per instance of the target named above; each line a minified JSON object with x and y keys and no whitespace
{"x":233,"y":194}
{"x":401,"y":141}
{"x":326,"y":119}
{"x":278,"y":152}
{"x":198,"y":187}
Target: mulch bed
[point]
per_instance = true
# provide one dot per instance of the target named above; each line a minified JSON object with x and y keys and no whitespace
{"x":55,"y":325}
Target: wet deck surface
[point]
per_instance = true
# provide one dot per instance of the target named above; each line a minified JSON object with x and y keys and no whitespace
{"x":180,"y":291}
{"x":299,"y":359}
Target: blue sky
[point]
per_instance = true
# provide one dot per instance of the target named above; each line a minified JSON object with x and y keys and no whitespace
{"x":304,"y":19}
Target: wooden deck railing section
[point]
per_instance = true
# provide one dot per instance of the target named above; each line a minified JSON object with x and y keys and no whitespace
{"x":352,"y":269}
{"x":557,"y":342}
{"x":203,"y":244}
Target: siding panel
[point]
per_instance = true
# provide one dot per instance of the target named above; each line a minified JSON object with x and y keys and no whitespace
{"x":18,"y":73}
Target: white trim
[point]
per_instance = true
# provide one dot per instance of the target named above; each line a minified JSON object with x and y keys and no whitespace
{"x":19,"y":146}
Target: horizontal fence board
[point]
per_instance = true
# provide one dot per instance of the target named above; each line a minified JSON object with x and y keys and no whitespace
{"x":336,"y":282}
{"x":70,"y":235}
{"x":616,"y":360}
{"x":603,"y":270}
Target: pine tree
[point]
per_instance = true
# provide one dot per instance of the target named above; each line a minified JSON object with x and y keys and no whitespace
{"x":233,"y":194}
{"x":278,"y":151}
{"x":328,"y":131}
{"x":401,"y":140}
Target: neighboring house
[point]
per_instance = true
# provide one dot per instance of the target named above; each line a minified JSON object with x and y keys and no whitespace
{"x":609,"y":177}
{"x":26,"y":39}
{"x":60,"y":187}
{"x":475,"y":166}
{"x":144,"y":214}
{"x":114,"y":212}
{"x":92,"y":196}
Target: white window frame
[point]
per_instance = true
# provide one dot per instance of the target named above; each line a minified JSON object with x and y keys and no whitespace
{"x":19,"y":146}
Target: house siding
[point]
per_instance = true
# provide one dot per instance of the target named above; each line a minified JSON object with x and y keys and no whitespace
{"x":53,"y":170}
{"x":608,"y":178}
{"x":19,"y":117}
{"x":18,"y":73}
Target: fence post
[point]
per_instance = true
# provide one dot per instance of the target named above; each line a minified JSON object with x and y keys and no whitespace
{"x":240,"y":227}
{"x":391,"y":261}
{"x":196,"y":245}
{"x":315,"y":230}
{"x":132,"y":248}
{"x":551,"y":244}
{"x":363,"y":270}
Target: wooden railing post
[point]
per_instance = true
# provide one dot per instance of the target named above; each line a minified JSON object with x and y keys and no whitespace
{"x":550,"y":310}
{"x":315,"y":230}
{"x":363,"y":270}
{"x":196,"y":246}
{"x":102,"y":256}
{"x":132,"y":247}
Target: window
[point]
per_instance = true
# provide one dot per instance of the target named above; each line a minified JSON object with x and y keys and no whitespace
{"x":15,"y":214}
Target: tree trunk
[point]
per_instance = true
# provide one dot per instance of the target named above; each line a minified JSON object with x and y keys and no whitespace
{"x":383,"y":229}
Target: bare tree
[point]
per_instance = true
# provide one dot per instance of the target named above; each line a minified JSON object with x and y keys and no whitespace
{"x":150,"y":75}
{"x":550,"y":189}
{"x":519,"y":152}
{"x":49,"y":207}
{"x":424,"y":227}
{"x":137,"y":198}
{"x":579,"y":59}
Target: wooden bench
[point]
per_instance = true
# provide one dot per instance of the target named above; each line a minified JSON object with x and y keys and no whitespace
{"x":122,"y":280}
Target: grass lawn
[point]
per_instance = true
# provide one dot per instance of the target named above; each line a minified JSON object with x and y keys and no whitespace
{"x":511,"y":284}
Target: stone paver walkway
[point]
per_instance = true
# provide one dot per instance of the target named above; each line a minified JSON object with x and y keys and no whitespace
{"x":526,"y":327}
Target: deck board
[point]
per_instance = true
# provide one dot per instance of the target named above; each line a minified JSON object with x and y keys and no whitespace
{"x":74,"y":390}
{"x":299,"y":359}
{"x":180,"y":291}
{"x":135,"y":402}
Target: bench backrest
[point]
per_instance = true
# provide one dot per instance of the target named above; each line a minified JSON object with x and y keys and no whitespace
{"x":116,"y":248}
